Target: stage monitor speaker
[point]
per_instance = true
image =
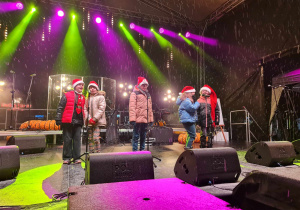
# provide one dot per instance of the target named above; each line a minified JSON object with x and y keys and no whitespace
{"x":271,"y":153}
{"x":162,"y":135}
{"x":296,"y":144}
{"x":9,"y":162}
{"x":208,"y":166}
{"x":261,"y":190}
{"x":118,"y":167}
{"x":28,"y":144}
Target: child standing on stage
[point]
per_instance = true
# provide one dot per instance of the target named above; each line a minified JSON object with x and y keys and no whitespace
{"x":188,"y":113}
{"x":95,"y":113}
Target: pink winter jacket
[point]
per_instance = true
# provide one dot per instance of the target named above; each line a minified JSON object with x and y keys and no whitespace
{"x":97,"y":107}
{"x":138,"y":107}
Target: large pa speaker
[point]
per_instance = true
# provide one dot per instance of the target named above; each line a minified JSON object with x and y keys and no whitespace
{"x":119,"y":167}
{"x":208,"y":166}
{"x":296,"y":144}
{"x":28,"y":144}
{"x":271,"y":153}
{"x":261,"y":190}
{"x":162,"y":135}
{"x":9,"y":162}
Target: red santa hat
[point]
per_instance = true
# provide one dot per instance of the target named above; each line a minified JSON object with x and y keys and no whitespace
{"x":188,"y":89}
{"x":206,"y":87}
{"x":94,"y":84}
{"x":77,"y":82}
{"x":213,"y":101}
{"x":142,"y":81}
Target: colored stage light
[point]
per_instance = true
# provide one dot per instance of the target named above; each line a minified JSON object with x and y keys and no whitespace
{"x":125,"y":94}
{"x":132,"y":26}
{"x":121,"y":24}
{"x":33,"y":9}
{"x":179,"y":34}
{"x":98,"y":20}
{"x":19,"y":5}
{"x":151,"y":29}
{"x":73,"y":16}
{"x":60,"y":13}
{"x":130,"y":86}
{"x":121,"y":85}
{"x":161,"y":30}
{"x":187,"y":34}
{"x":2,"y":83}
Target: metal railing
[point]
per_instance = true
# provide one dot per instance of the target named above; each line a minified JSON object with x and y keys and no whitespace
{"x":18,"y":118}
{"x":246,"y":123}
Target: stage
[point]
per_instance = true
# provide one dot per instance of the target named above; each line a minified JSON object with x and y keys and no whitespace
{"x":43,"y":174}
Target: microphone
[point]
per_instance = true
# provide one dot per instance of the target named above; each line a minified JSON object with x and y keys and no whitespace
{"x":33,"y":75}
{"x":11,"y":71}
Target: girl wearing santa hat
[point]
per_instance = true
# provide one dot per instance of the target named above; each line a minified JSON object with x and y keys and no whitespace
{"x":208,"y":115}
{"x":95,"y":114}
{"x":188,"y":113}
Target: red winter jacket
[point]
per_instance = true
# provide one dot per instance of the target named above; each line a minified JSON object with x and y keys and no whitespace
{"x":65,"y":108}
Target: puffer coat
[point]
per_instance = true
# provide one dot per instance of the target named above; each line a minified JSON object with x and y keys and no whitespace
{"x":187,"y":110}
{"x":138,"y":104}
{"x":97,"y":107}
{"x":204,"y":112}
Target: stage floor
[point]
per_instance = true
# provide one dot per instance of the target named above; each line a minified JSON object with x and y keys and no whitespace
{"x":50,"y":176}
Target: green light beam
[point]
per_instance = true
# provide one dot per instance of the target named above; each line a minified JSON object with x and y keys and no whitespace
{"x":154,"y":73}
{"x":72,"y":58}
{"x":8,"y":47}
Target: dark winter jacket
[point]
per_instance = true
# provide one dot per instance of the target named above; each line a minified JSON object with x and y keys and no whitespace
{"x":66,"y":110}
{"x":204,"y":112}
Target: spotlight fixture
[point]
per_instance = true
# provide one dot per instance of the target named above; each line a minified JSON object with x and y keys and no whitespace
{"x":130,"y":86}
{"x":121,"y":24}
{"x":187,"y":34}
{"x":132,"y":26}
{"x":60,"y":13}
{"x":98,"y":20}
{"x":179,"y":34}
{"x":125,"y":94}
{"x":121,"y":85}
{"x":73,"y":16}
{"x":161,"y":30}
{"x":152,"y":29}
{"x":19,"y":5}
{"x":33,"y":9}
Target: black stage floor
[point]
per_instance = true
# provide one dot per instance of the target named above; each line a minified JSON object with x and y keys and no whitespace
{"x":74,"y":174}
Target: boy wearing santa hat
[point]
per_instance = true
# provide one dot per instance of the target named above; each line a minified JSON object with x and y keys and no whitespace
{"x":188,"y":113}
{"x":95,"y":114}
{"x":70,"y":114}
{"x":140,"y":104}
{"x":208,"y":115}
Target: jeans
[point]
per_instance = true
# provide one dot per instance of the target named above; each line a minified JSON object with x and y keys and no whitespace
{"x":139,"y":132}
{"x":191,"y":130}
{"x":72,"y":141}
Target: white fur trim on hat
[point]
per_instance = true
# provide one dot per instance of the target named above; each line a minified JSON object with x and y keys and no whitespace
{"x":205,"y":88}
{"x":190,"y":91}
{"x":144,"y":82}
{"x":94,"y":85}
{"x":77,"y":83}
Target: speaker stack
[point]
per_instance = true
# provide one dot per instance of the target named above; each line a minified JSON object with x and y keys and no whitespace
{"x":9,"y":162}
{"x":271,"y":153}
{"x":208,"y":166}
{"x":119,"y":167}
{"x":28,"y":144}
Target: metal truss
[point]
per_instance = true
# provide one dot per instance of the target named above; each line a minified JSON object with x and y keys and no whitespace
{"x":118,"y":12}
{"x":221,"y":11}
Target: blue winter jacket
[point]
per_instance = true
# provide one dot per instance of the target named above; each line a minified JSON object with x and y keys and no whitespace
{"x":187,"y":110}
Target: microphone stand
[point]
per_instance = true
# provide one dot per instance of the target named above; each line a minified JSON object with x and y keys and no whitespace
{"x":29,"y":98}
{"x":148,"y":132}
{"x":12,"y":100}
